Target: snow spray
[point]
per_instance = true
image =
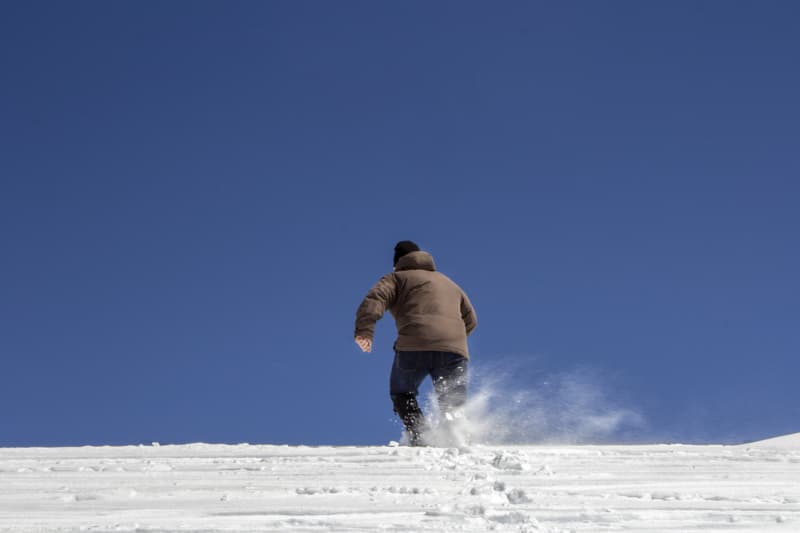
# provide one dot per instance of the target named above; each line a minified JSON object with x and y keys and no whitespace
{"x":510,"y":404}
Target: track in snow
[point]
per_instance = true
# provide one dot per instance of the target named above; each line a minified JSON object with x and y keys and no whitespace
{"x":212,"y":488}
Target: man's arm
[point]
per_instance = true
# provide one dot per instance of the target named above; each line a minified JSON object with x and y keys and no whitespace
{"x":468,"y":314}
{"x":379,"y":298}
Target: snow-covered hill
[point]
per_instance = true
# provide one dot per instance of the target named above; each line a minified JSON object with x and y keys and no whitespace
{"x":786,"y":442}
{"x":211,"y":488}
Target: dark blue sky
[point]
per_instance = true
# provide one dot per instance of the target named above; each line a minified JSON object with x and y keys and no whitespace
{"x":195,"y":196}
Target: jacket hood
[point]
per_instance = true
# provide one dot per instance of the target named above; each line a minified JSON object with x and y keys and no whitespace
{"x":416,"y":261}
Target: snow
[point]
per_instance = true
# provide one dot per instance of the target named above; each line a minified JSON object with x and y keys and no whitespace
{"x":786,"y":442}
{"x":222,"y":488}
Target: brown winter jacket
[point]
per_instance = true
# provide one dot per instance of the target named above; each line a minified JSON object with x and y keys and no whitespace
{"x":431,"y":312}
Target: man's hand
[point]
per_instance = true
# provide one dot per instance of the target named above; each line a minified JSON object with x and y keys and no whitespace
{"x":364,"y":343}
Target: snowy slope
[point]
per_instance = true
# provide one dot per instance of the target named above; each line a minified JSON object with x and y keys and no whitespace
{"x":786,"y":442}
{"x":214,"y":488}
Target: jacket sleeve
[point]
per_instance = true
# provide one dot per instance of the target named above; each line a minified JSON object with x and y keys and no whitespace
{"x":379,"y":298}
{"x":468,"y":314}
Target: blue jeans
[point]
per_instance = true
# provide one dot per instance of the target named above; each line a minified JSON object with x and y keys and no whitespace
{"x":447,"y":370}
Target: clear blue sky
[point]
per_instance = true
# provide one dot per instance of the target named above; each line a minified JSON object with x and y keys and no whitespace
{"x":195,"y":196}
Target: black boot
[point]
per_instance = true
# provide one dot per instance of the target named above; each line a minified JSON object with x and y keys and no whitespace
{"x":406,"y":407}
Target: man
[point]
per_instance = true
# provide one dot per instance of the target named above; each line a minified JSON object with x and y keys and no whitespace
{"x":433,"y":317}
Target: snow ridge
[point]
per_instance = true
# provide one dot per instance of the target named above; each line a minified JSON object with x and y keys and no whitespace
{"x":785,"y":442}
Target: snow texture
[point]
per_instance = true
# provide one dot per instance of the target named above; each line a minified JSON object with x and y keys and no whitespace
{"x":223,"y":488}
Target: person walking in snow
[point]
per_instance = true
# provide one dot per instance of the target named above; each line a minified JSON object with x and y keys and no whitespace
{"x":433,"y":317}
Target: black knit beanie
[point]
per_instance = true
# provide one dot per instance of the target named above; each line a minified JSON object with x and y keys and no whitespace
{"x":402,"y":248}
